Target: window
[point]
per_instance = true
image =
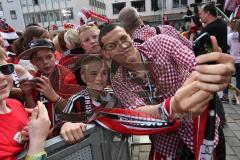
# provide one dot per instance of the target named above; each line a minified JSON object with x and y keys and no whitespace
{"x":9,"y":1}
{"x":38,"y":18}
{"x":139,"y":5}
{"x":57,"y":15}
{"x":23,"y":3}
{"x":29,"y":2}
{"x":1,"y":9}
{"x":50,"y":16}
{"x":44,"y":17}
{"x":158,"y":3}
{"x":13,"y":14}
{"x":35,"y":2}
{"x":117,"y":7}
{"x":179,"y":3}
{"x":68,"y":15}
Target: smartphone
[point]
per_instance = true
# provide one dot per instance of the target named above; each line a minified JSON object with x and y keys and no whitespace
{"x":202,"y":45}
{"x":35,"y":80}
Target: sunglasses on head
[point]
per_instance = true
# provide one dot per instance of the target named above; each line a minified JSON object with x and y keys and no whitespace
{"x":7,"y":69}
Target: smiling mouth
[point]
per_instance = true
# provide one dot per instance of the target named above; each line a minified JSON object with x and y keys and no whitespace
{"x":3,"y":87}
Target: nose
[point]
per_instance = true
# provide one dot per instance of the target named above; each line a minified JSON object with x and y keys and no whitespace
{"x":92,"y":40}
{"x":45,"y":61}
{"x":99,"y":77}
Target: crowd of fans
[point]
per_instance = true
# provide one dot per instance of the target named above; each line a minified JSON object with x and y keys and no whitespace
{"x":46,"y":75}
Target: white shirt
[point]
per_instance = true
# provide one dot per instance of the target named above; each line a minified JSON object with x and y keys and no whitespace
{"x":233,"y":42}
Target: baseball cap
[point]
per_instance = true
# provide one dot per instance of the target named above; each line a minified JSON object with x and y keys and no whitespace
{"x":35,"y":46}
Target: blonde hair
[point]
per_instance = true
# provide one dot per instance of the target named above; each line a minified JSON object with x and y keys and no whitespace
{"x":72,"y":37}
{"x":3,"y":54}
{"x":87,"y":27}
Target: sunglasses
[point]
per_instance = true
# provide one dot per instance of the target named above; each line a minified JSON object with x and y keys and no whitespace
{"x":7,"y":69}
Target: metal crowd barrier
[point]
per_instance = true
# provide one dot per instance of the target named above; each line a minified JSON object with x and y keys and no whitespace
{"x":98,"y":144}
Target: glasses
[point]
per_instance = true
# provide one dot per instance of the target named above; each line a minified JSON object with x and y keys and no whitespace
{"x":7,"y":69}
{"x":113,"y":45}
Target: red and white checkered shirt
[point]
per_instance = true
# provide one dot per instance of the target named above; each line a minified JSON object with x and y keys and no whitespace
{"x":145,"y":32}
{"x":169,"y":63}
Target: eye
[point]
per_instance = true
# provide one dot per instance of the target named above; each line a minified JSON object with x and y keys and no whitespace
{"x":86,"y":40}
{"x":95,"y":37}
{"x":110,"y":46}
{"x":93,"y":73}
{"x":105,"y":72}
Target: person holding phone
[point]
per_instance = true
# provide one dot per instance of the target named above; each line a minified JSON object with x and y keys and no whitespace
{"x":163,"y":60}
{"x":50,"y":80}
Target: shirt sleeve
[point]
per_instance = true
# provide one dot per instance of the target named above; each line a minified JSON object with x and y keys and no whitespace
{"x":172,"y":32}
{"x":171,"y":50}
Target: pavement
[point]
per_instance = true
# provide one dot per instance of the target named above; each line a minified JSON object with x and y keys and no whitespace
{"x":141,"y":144}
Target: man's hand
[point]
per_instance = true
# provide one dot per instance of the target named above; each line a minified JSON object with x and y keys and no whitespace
{"x":190,"y":99}
{"x":72,"y":132}
{"x":215,"y":77}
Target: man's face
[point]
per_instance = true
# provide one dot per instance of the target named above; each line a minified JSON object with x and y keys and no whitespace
{"x":44,"y":60}
{"x":6,"y":83}
{"x":89,"y":41}
{"x":203,"y":15}
{"x":117,"y":44}
{"x":95,"y":75}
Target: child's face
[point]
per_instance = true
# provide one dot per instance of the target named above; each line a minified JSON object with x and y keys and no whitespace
{"x":89,"y":41}
{"x":44,"y":60}
{"x":6,"y":81}
{"x":95,"y":75}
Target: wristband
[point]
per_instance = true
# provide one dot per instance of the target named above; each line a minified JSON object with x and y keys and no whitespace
{"x":58,"y":100}
{"x":39,"y":156}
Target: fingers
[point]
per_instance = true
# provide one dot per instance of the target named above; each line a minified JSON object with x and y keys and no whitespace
{"x":212,"y":78}
{"x":29,"y":110}
{"x":191,"y":78}
{"x":217,"y":69}
{"x":215,"y":45}
{"x":34,"y":114}
{"x":187,"y":91}
{"x":212,"y":87}
{"x":43,"y":113}
{"x":72,"y":132}
{"x":216,"y":57}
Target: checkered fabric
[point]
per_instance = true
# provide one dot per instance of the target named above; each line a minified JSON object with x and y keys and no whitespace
{"x":145,"y":31}
{"x":169,"y":63}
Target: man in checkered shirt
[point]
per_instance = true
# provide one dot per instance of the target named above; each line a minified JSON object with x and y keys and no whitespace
{"x":168,"y":63}
{"x":133,"y":24}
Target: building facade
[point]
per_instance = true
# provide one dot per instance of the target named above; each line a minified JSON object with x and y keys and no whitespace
{"x":20,"y":13}
{"x":151,"y":10}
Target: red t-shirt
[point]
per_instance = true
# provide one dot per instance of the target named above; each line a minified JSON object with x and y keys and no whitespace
{"x":10,"y":124}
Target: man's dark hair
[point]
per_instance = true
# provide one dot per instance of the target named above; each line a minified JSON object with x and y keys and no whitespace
{"x":32,"y":24}
{"x":105,"y":29}
{"x":210,"y":7}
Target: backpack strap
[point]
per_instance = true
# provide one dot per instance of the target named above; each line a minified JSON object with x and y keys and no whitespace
{"x":157,"y":30}
{"x":137,"y":40}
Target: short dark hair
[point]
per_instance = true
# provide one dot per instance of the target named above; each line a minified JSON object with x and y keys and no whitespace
{"x":210,"y":7}
{"x":105,"y":29}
